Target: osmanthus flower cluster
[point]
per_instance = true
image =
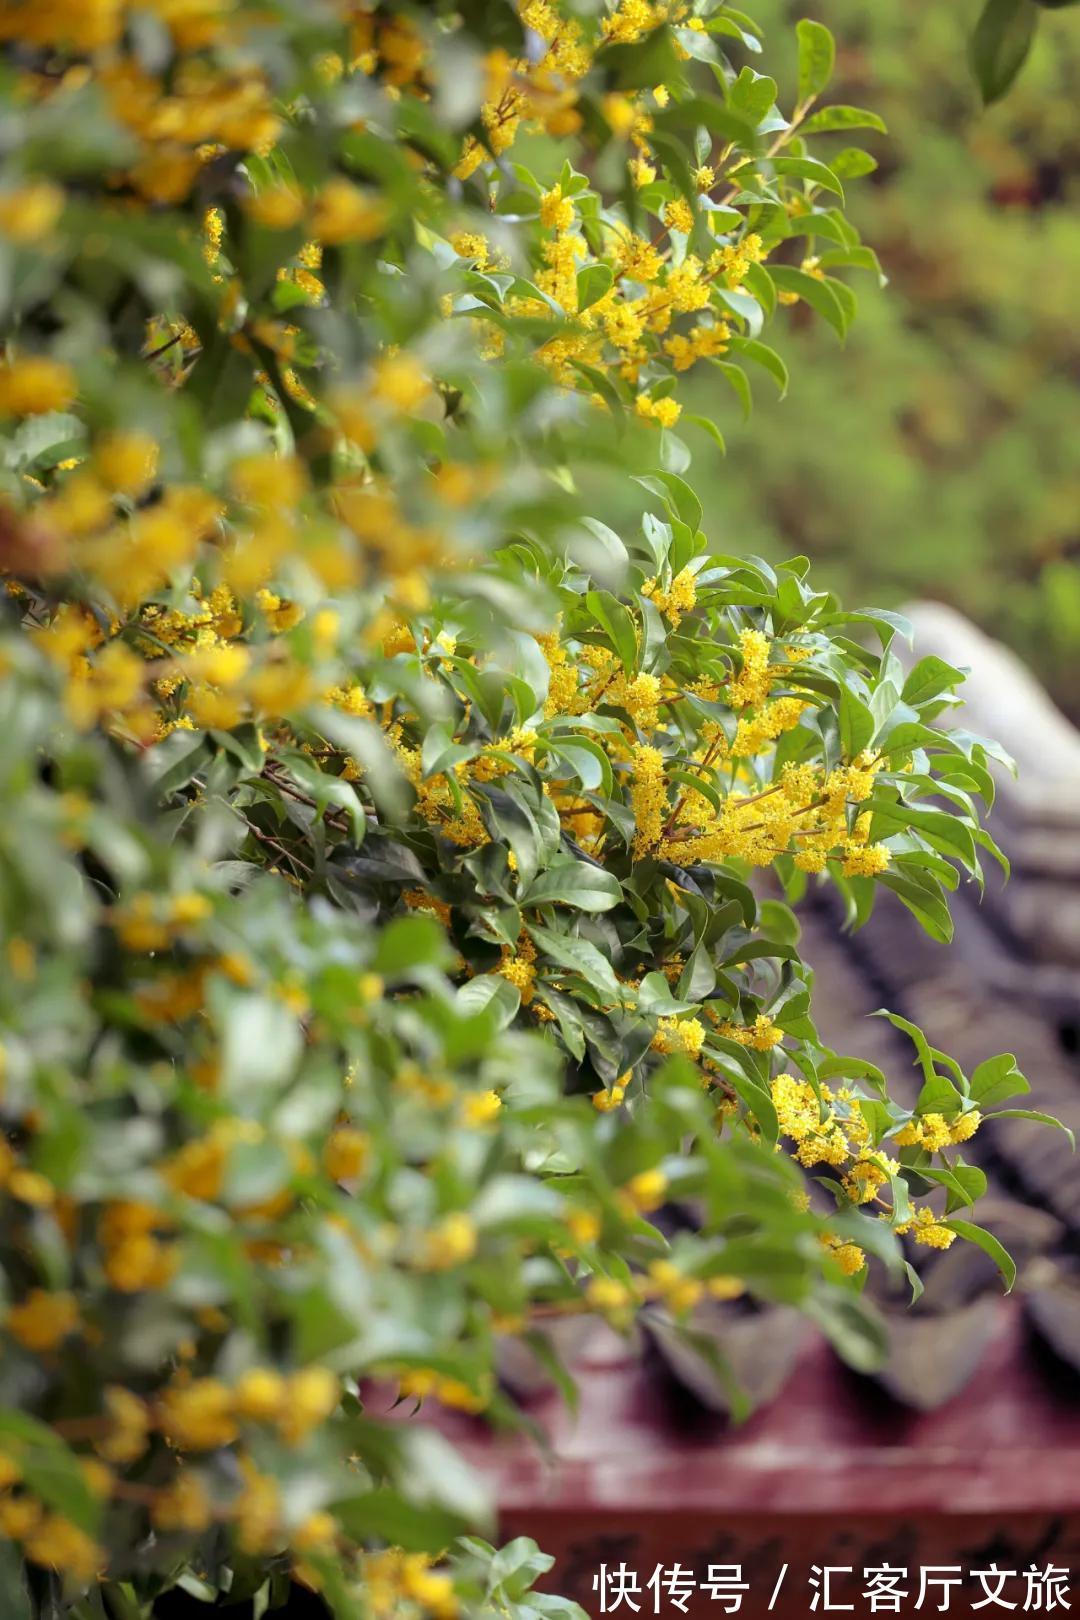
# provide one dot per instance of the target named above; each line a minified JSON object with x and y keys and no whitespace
{"x":384,"y":940}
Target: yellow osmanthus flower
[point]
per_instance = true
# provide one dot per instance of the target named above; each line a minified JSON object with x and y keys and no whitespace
{"x":811,"y":1123}
{"x":127,"y":461}
{"x":608,"y":1294}
{"x":648,"y":797}
{"x":679,"y":1035}
{"x":679,"y":216}
{"x":198,"y":1416}
{"x":34,"y":384}
{"x":452,"y":1242}
{"x":753,"y":683}
{"x":927,"y":1228}
{"x":258,"y":1514}
{"x":646,"y":1190}
{"x":260,"y":1394}
{"x":964,"y":1128}
{"x":867,"y":1175}
{"x":311,"y":1397}
{"x":343,"y":212}
{"x":584,"y":1226}
{"x":665,"y":411}
{"x":677,"y":599}
{"x":556,"y":211}
{"x":276,"y":207}
{"x":400,"y":382}
{"x":849,"y":1256}
{"x":678,"y":1292}
{"x":346,"y":1152}
{"x":56,"y":1543}
{"x":184,"y":1506}
{"x":480,"y":1108}
{"x":43,"y":1320}
{"x":934,"y":1132}
{"x":130,"y":1427}
{"x":30,"y":211}
{"x":763,"y":1035}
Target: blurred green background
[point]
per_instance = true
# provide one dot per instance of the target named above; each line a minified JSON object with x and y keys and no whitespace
{"x":939,"y":453}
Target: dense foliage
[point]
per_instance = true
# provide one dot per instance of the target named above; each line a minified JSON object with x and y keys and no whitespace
{"x":375,"y":871}
{"x":957,"y":380}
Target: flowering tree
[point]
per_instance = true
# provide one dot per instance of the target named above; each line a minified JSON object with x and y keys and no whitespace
{"x":375,"y":872}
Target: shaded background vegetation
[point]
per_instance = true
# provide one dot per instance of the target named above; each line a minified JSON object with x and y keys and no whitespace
{"x":950,"y":468}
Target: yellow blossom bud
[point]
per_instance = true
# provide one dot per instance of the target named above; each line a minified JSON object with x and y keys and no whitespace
{"x":584,"y":1226}
{"x":607,"y":1294}
{"x":182,"y":1506}
{"x":43,"y":1320}
{"x":400,"y":382}
{"x":317,"y":1530}
{"x":269,"y":480}
{"x":131,"y":1423}
{"x":646,"y":1190}
{"x":344,"y":213}
{"x":198,"y":1416}
{"x":481,"y":1107}
{"x":29,"y":212}
{"x":127,"y":462}
{"x":259,"y":1394}
{"x":58,"y":1544}
{"x":311,"y":1396}
{"x":965,"y":1126}
{"x":30,"y":1187}
{"x":19,"y":1517}
{"x":35,"y":384}
{"x":346,"y":1152}
{"x":276,"y":208}
{"x":450,"y":1243}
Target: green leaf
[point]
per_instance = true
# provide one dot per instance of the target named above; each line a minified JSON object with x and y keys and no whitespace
{"x":763,"y":356}
{"x":588,"y":761}
{"x":1000,"y":44}
{"x":803,"y":168}
{"x":574,"y":883}
{"x":989,"y":1244}
{"x":853,"y":1326}
{"x":930,"y":677}
{"x":51,"y":1470}
{"x":856,"y":724}
{"x":752,"y":94}
{"x":1039,"y":1119}
{"x":964,"y":1183}
{"x":677,"y":495}
{"x":817,"y":56}
{"x":736,"y":377}
{"x":609,"y":612}
{"x":592,"y":283}
{"x":818,"y":294}
{"x":261,"y":1044}
{"x":852,"y":163}
{"x":842,"y":117}
{"x":13,"y":1583}
{"x":995,"y":1079}
{"x":579,"y":956}
{"x":930,"y":909}
{"x":922,"y":1047}
{"x":329,"y":790}
{"x":710,"y":428}
{"x":409,"y":943}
